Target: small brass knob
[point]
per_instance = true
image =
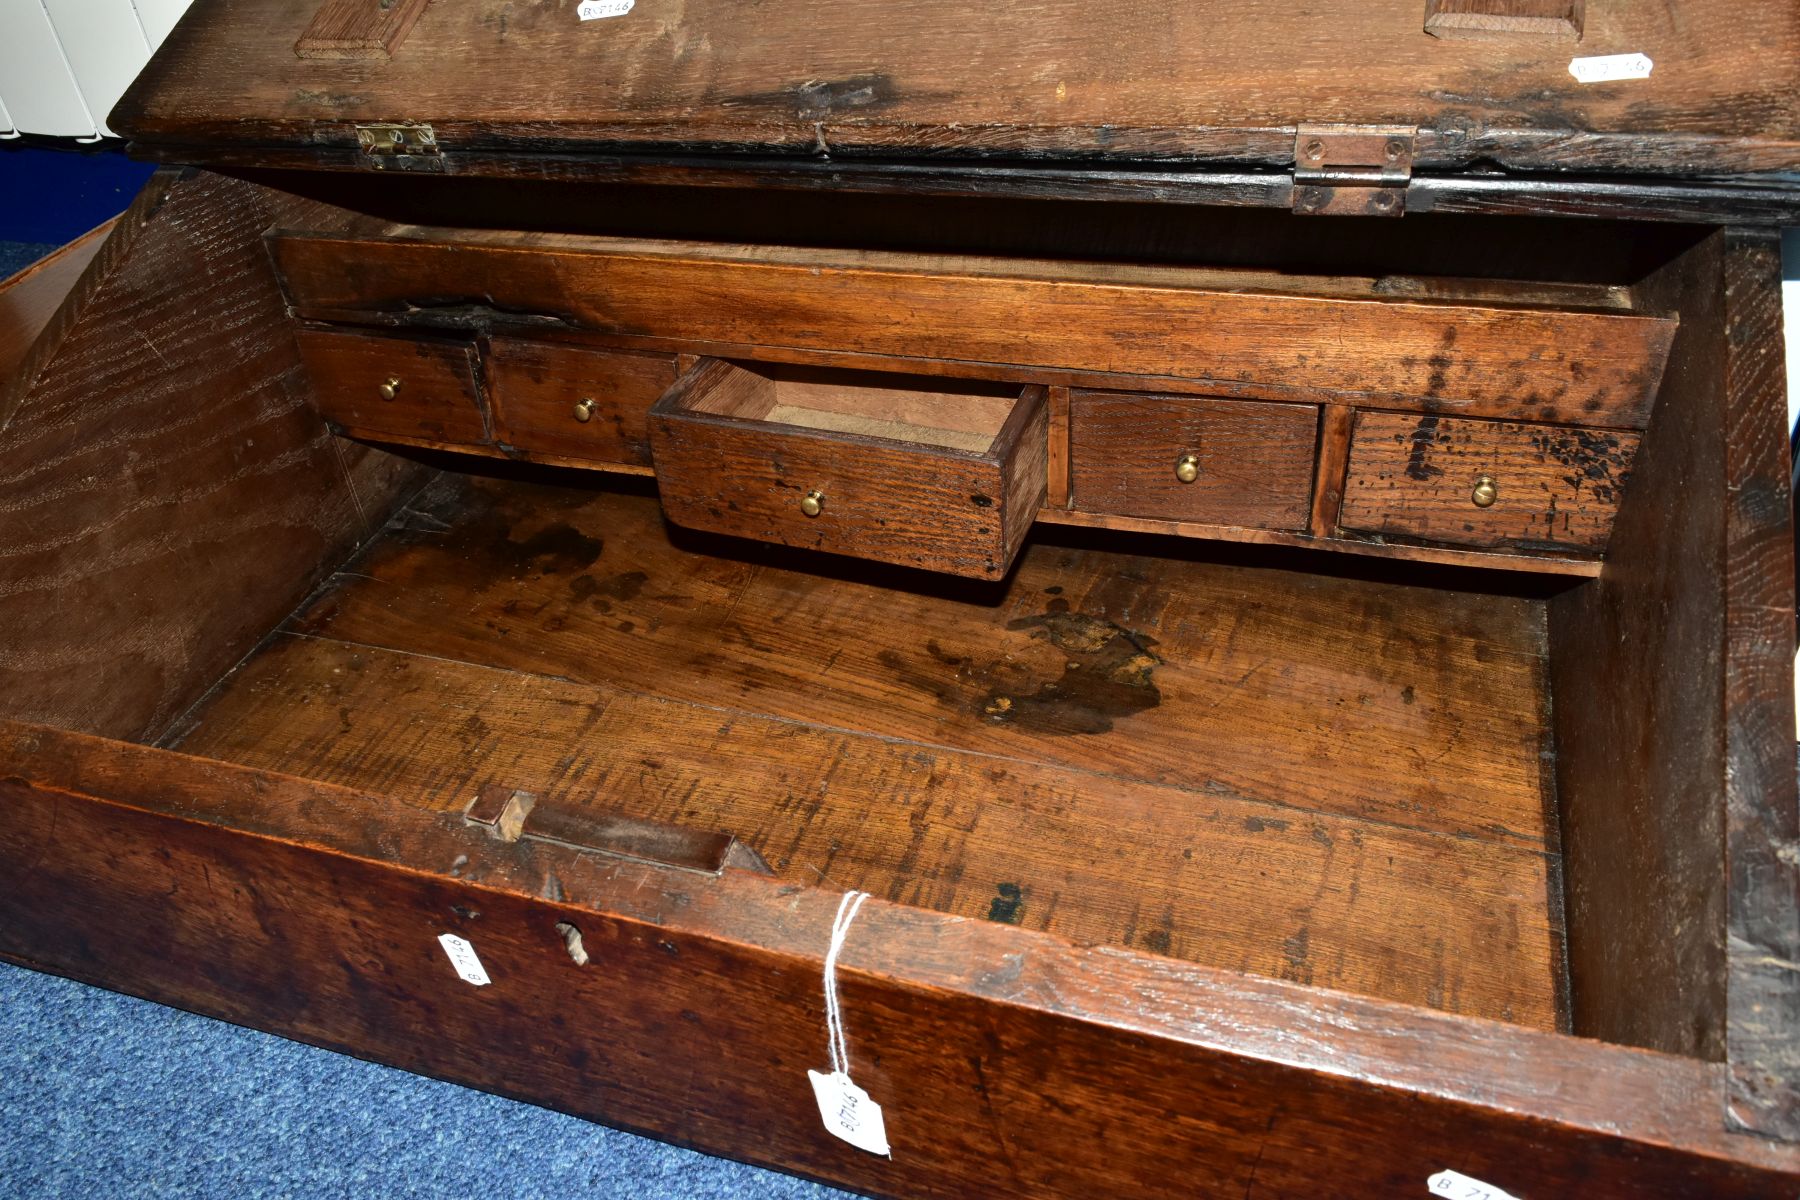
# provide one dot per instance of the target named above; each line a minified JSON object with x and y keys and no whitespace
{"x":584,"y":410}
{"x":390,"y":387}
{"x":1187,"y":468}
{"x":1485,"y":493}
{"x":813,"y":503}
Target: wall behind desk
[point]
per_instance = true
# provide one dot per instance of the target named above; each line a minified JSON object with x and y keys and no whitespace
{"x":1790,"y":306}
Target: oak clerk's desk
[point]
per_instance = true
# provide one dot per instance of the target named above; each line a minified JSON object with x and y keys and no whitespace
{"x":1261,"y":537}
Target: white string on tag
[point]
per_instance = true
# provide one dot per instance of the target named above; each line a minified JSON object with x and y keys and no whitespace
{"x":834,"y":1015}
{"x":846,"y":1109}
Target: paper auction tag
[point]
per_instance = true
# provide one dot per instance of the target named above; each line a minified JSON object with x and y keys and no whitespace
{"x":846,"y":1109}
{"x":848,"y":1112}
{"x":1604,"y":68}
{"x":464,"y":959}
{"x":593,"y":10}
{"x":1457,"y":1186}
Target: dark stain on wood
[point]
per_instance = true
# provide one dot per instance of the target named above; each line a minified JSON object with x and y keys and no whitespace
{"x":501,"y":536}
{"x":1006,"y":905}
{"x":1440,"y":363}
{"x":626,"y":585}
{"x":1295,"y":950}
{"x":1595,"y":459}
{"x":553,"y":550}
{"x":1424,"y":436}
{"x":1109,"y":677}
{"x":1557,"y":487}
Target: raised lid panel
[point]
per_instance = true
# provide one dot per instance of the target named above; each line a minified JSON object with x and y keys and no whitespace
{"x":1252,"y":462}
{"x":358,"y":28}
{"x":1552,"y":488}
{"x":932,"y":474}
{"x":1561,"y":19}
{"x":1066,"y":78}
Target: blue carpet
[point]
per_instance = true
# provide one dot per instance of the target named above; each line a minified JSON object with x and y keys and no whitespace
{"x":53,"y":192}
{"x":105,"y":1096}
{"x":16,"y":256}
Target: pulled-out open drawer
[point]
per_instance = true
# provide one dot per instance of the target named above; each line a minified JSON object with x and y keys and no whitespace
{"x":944,"y":475}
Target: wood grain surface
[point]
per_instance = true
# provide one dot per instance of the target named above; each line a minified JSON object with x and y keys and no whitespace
{"x":1674,"y":719}
{"x":1255,"y":460}
{"x":1762,"y":809}
{"x":1056,"y":463}
{"x":1556,"y":488}
{"x":357,"y":28}
{"x":1271,"y":685}
{"x":316,"y":911}
{"x":1470,"y":357}
{"x":1639,"y":784}
{"x":167,"y":490}
{"x":1061,"y":79}
{"x":1458,"y":924}
{"x":30,"y":298}
{"x":1536,"y":562}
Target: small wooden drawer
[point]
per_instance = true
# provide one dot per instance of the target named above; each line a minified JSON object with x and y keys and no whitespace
{"x":575,"y":402}
{"x":383,"y":386}
{"x":1485,"y":483}
{"x":942,"y":475}
{"x":1189,"y":458}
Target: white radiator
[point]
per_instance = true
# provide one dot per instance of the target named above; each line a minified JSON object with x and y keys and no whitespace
{"x":64,"y":63}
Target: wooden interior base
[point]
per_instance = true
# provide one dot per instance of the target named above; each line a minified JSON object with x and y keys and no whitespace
{"x":1325,"y":779}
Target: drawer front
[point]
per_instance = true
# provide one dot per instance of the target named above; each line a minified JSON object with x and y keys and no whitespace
{"x":395,"y":386}
{"x":736,"y":454}
{"x":1183,"y":458}
{"x":1485,"y":483}
{"x":573,"y":402}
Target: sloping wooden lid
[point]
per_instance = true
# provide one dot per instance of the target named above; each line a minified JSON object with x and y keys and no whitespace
{"x":1079,"y":81}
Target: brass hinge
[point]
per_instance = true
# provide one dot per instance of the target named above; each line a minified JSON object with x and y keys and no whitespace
{"x":1352,"y":170}
{"x":399,"y":147}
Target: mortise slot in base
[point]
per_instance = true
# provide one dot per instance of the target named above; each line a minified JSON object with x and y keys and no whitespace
{"x":504,"y":811}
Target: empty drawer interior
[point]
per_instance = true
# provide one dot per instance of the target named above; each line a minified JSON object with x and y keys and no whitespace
{"x":949,"y":415}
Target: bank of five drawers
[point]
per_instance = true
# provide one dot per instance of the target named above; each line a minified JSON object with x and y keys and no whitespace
{"x":1382,"y":453}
